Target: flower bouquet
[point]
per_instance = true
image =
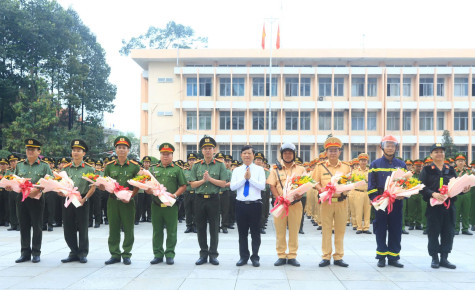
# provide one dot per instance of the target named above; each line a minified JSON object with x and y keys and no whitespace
{"x":61,"y":183}
{"x":19,"y":185}
{"x":455,"y":186}
{"x":147,"y":181}
{"x":293,"y":186}
{"x":399,"y":184}
{"x":91,"y":177}
{"x":111,"y":186}
{"x":338,"y":183}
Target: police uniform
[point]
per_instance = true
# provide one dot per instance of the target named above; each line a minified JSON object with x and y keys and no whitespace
{"x":189,"y":201}
{"x":463,"y":203}
{"x":30,"y":211}
{"x":207,"y":203}
{"x":4,"y":215}
{"x":95,"y":206}
{"x":120,"y":213}
{"x":362,"y":203}
{"x":104,"y":194}
{"x":265,"y":194}
{"x":75,"y":219}
{"x":172,"y":177}
{"x":334,"y":214}
{"x":58,"y":211}
{"x":50,"y":203}
{"x":232,"y":200}
{"x":12,"y":197}
{"x":224,"y":195}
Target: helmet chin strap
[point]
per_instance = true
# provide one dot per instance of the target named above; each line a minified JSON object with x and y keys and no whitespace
{"x":390,"y":156}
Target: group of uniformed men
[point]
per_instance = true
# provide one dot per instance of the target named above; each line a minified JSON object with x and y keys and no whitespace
{"x":204,"y":182}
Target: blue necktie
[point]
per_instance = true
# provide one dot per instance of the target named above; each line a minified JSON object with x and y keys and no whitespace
{"x":246,"y":186}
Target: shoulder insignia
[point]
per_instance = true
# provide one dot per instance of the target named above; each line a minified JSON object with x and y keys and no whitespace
{"x":134,"y":162}
{"x":275,"y":166}
{"x":110,"y":162}
{"x":218,"y":160}
{"x":433,"y":167}
{"x":265,"y":169}
{"x":346,"y":163}
{"x":68,"y":165}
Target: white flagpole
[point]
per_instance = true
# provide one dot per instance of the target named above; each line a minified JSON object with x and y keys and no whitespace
{"x":269,"y":150}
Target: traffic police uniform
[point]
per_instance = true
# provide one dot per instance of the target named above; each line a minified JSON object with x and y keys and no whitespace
{"x":463,"y":203}
{"x":361,"y":200}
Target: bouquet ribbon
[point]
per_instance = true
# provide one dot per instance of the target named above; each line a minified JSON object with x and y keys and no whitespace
{"x":119,"y":187}
{"x":391,"y":199}
{"x":444,"y":190}
{"x":26,"y":189}
{"x":73,"y":192}
{"x":283,"y":202}
{"x":330,"y":189}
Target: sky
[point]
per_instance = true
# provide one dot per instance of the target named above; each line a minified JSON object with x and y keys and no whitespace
{"x":238,"y":24}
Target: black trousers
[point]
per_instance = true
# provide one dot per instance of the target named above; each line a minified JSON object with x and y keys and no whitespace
{"x":147,"y":207}
{"x":75,"y":221}
{"x":207,"y":211}
{"x":180,"y":201}
{"x":12,"y":208}
{"x":390,"y":226}
{"x":4,"y":208}
{"x":104,"y":198}
{"x":224,"y":207}
{"x":440,"y":223}
{"x":248,"y":217}
{"x":58,"y":210}
{"x":139,"y":197}
{"x":30,"y":212}
{"x":304,"y":202}
{"x":95,"y":207}
{"x":232,"y":207}
{"x":189,"y":208}
{"x":50,"y":207}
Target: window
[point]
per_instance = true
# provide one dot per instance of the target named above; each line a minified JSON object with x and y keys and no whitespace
{"x":258,"y":87}
{"x":338,"y":121}
{"x":394,"y":86}
{"x":426,"y":87}
{"x":357,"y":87}
{"x":204,"y":87}
{"x":324,"y":120}
{"x":191,"y":120}
{"x":461,"y":87}
{"x":356,"y":149}
{"x":305,"y":153}
{"x":473,"y":87}
{"x":357,"y":121}
{"x":462,"y":149}
{"x":292,"y":87}
{"x":461,"y":121}
{"x":372,"y":87}
{"x":338,"y":87}
{"x":304,"y":120}
{"x":305,"y":87}
{"x":440,"y":121}
{"x":371,"y":121}
{"x":406,"y":152}
{"x":406,"y":87}
{"x":426,"y":121}
{"x":393,"y":121}
{"x":260,"y":120}
{"x":238,"y":121}
{"x":424,"y":151}
{"x":205,"y":121}
{"x":235,"y":89}
{"x":191,"y":149}
{"x":406,"y":121}
{"x":440,"y":87}
{"x":291,"y":120}
{"x":225,"y":120}
{"x":324,"y":87}
{"x":372,"y":153}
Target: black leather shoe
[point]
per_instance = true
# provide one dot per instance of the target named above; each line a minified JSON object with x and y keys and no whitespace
{"x":435,"y":262}
{"x":301,"y":232}
{"x":97,"y":225}
{"x":143,"y":220}
{"x":340,"y":263}
{"x":359,"y":232}
{"x":255,"y":263}
{"x":347,"y":224}
{"x":231,"y":227}
{"x":293,"y":262}
{"x":22,"y":259}
{"x":456,"y":233}
{"x":395,"y":263}
{"x":263,"y":232}
{"x":136,"y":223}
{"x":419,"y":228}
{"x":12,"y":229}
{"x":354,"y":228}
{"x":44,"y":228}
{"x":445,"y":263}
{"x":319,"y":228}
{"x":112,"y":261}
{"x":213,"y":261}
{"x":70,"y":259}
{"x":127,"y":261}
{"x":467,"y":233}
{"x":473,"y":228}
{"x":35,"y":259}
{"x":382,"y":263}
{"x":241,"y":262}
{"x":90,"y":225}
{"x":411,"y":228}
{"x":82,"y":260}
{"x":201,"y":261}
{"x":280,"y":262}
{"x":170,"y":261}
{"x":194,"y":229}
{"x":149,"y":220}
{"x":367,"y":232}
{"x":188,"y":230}
{"x":156,"y":260}
{"x":106,"y":222}
{"x":405,"y":232}
{"x":424,"y":232}
{"x":50,"y":228}
{"x":324,"y":263}
{"x":225,"y":230}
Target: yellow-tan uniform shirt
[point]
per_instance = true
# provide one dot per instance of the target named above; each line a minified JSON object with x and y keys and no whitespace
{"x":321,"y":175}
{"x":293,"y":170}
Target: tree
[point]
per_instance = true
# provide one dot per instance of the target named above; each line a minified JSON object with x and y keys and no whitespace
{"x":448,"y":143}
{"x":172,"y":36}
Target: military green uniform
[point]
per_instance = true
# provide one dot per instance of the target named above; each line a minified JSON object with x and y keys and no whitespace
{"x":30,"y":211}
{"x":4,"y":215}
{"x":172,"y":177}
{"x":189,"y":201}
{"x":120,"y":213}
{"x":76,"y":219}
{"x":207,"y":205}
{"x":95,"y":206}
{"x":224,"y":196}
{"x":415,"y":206}
{"x":265,"y":194}
{"x":462,"y":206}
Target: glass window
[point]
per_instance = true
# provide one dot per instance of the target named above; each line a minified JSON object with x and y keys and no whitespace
{"x":260,"y":122}
{"x":372,"y":87}
{"x":291,"y":120}
{"x":205,"y":120}
{"x":406,"y":121}
{"x":357,"y":121}
{"x":424,"y":151}
{"x":426,"y":121}
{"x":235,"y":89}
{"x":406,"y":152}
{"x":440,"y":121}
{"x":191,"y":149}
{"x":462,"y":149}
{"x":394,"y":86}
{"x":304,"y":120}
{"x":258,"y":87}
{"x":338,"y":87}
{"x":371,"y":121}
{"x":356,"y":149}
{"x":305,"y":87}
{"x":461,"y":121}
{"x":225,"y":120}
{"x":357,"y":87}
{"x":324,"y":87}
{"x":440,"y":87}
{"x":461,"y":87}
{"x":291,"y":87}
{"x":426,"y":87}
{"x":304,"y":153}
{"x":372,"y":153}
{"x":338,"y":121}
{"x":393,"y":121}
{"x":324,"y":120}
{"x":406,"y":87}
{"x":225,"y":87}
{"x":192,"y":88}
{"x":238,"y":120}
{"x":191,"y":120}
{"x":225,"y":149}
{"x":473,"y":89}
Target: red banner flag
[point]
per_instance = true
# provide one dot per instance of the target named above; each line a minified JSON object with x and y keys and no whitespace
{"x":264,"y":36}
{"x":278,"y":37}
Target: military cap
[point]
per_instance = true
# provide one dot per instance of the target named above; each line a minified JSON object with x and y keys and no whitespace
{"x":437,"y":146}
{"x":147,"y":158}
{"x":122,"y":140}
{"x":219,"y":155}
{"x":33,"y":143}
{"x":235,"y":162}
{"x":452,"y":160}
{"x":460,"y":156}
{"x":12,"y":157}
{"x":113,"y":158}
{"x":99,"y":162}
{"x":418,"y":162}
{"x":78,"y":143}
{"x":259,"y":155}
{"x":332,"y":142}
{"x":399,"y":157}
{"x":428,"y":160}
{"x":47,"y":160}
{"x":446,"y":161}
{"x":265,"y":160}
{"x":363,"y":156}
{"x":166,"y":147}
{"x":408,"y":162}
{"x":191,"y":156}
{"x":472,"y":163}
{"x":228,"y":157}
{"x":322,"y":155}
{"x":355,"y":160}
{"x":106,"y":160}
{"x":22,"y":159}
{"x":3,"y":161}
{"x":239,"y":163}
{"x":64,"y":160}
{"x":207,"y":141}
{"x":298,"y":160}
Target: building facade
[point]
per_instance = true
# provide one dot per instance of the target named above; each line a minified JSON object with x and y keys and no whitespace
{"x":356,"y":95}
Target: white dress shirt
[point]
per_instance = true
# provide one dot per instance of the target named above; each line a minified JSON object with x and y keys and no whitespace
{"x":257,"y":182}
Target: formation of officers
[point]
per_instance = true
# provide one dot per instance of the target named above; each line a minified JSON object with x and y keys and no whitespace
{"x":214,"y":193}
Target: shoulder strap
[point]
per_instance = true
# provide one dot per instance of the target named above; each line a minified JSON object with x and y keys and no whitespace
{"x":326,"y":169}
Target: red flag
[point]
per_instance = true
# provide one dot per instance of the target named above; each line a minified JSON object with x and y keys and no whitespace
{"x":264,"y":36}
{"x":278,"y":37}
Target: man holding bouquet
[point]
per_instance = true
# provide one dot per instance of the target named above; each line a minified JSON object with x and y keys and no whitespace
{"x":360,"y":195}
{"x":334,"y":213}
{"x":386,"y":224}
{"x":77,"y":219}
{"x":173,"y":178}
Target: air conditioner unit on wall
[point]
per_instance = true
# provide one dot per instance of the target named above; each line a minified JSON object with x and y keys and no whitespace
{"x":320,"y":99}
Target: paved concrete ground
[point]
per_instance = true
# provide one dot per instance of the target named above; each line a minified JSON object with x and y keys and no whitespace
{"x":359,"y":253}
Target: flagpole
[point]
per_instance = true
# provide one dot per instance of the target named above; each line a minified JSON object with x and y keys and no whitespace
{"x":269,"y":150}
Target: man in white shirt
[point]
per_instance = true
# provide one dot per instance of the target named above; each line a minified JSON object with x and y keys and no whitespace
{"x":248,"y":181}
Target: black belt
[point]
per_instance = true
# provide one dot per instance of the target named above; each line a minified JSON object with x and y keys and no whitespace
{"x":360,"y":190}
{"x":207,"y":196}
{"x":191,"y":191}
{"x":249,"y":201}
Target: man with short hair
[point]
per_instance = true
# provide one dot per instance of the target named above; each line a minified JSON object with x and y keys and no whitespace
{"x":463,"y":203}
{"x":360,"y":194}
{"x":12,"y":196}
{"x":189,"y":200}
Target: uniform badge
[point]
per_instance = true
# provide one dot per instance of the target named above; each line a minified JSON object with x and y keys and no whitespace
{"x":76,"y":142}
{"x":206,"y":140}
{"x":30,"y":142}
{"x":122,"y":139}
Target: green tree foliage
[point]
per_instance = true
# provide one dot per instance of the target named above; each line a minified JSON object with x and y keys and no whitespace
{"x":449,"y":145}
{"x":172,"y":36}
{"x":53,"y":78}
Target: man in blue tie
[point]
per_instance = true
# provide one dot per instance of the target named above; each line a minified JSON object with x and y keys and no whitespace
{"x":248,"y":181}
